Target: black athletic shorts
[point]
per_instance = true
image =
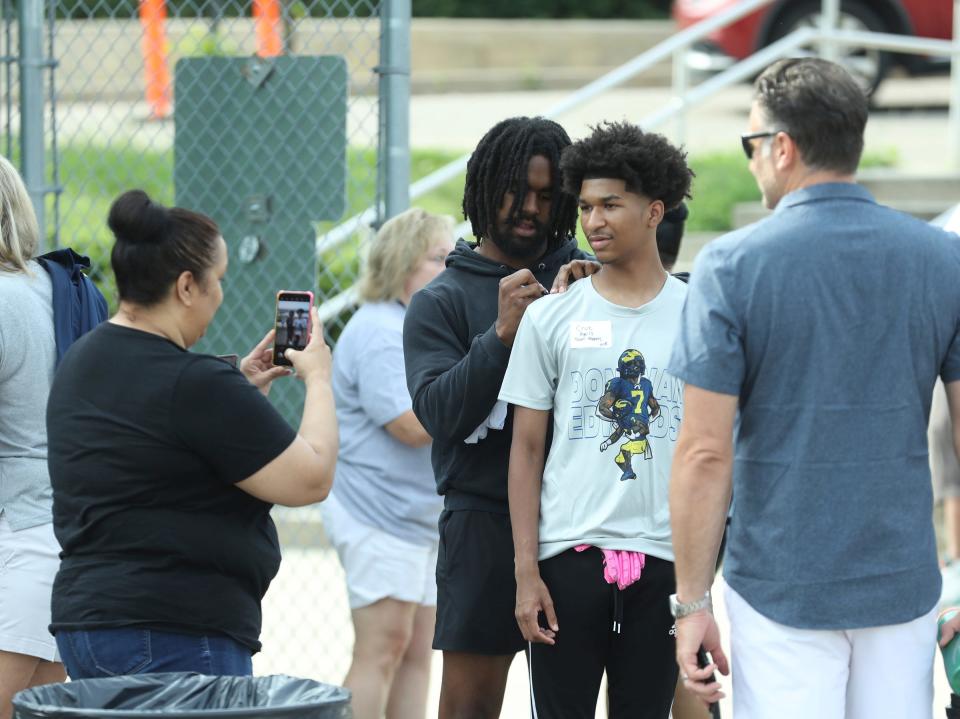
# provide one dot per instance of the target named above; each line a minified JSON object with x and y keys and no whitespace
{"x":639,"y":660}
{"x":476,"y":588}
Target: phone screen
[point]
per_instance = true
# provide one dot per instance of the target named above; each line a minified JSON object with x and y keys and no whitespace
{"x":292,"y":323}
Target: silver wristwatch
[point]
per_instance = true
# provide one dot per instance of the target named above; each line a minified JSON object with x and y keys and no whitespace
{"x":681,"y":609}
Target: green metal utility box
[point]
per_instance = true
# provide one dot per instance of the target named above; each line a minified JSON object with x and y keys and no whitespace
{"x":260,"y":146}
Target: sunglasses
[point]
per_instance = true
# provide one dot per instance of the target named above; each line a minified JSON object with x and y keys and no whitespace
{"x":746,"y":140}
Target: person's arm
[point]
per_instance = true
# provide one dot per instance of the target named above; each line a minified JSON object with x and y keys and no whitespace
{"x":654,"y":406}
{"x":371,"y":363}
{"x":524,"y":478}
{"x":407,"y":429}
{"x":700,"y":487}
{"x":952,"y":626}
{"x":454,"y":380}
{"x":953,"y":405}
{"x":613,"y":438}
{"x":303,"y":473}
{"x":530,"y":386}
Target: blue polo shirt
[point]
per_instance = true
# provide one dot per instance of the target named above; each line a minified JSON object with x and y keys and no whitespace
{"x":830,"y":320}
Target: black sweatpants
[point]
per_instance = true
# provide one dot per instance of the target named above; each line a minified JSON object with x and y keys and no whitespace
{"x":639,"y":661}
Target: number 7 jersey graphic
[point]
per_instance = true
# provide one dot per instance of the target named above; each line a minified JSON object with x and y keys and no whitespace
{"x":628,"y":403}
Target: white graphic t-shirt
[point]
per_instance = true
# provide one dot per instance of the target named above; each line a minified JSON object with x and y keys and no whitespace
{"x":616,"y":413}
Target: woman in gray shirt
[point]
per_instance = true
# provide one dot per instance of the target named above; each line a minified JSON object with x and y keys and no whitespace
{"x":28,"y":549}
{"x":382,"y":513}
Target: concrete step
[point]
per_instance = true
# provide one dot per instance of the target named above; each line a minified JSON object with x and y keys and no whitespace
{"x":923,"y":196}
{"x":889,"y":185}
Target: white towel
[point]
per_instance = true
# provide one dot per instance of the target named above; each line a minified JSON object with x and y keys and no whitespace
{"x":495,"y":420}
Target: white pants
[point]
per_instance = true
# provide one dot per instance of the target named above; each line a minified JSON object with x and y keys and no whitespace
{"x":788,"y":673}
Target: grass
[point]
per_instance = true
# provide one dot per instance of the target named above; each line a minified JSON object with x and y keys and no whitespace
{"x":93,"y":175}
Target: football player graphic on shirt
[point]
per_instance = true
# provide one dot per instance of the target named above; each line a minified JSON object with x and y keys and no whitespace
{"x":629,"y":403}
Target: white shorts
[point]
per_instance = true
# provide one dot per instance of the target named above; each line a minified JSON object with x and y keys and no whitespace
{"x":29,"y":559}
{"x":379,"y":565}
{"x":788,"y":673}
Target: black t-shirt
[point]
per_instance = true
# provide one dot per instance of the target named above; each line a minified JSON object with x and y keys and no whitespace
{"x":146,"y":441}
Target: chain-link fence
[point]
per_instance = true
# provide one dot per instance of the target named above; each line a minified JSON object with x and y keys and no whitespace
{"x":112,"y":116}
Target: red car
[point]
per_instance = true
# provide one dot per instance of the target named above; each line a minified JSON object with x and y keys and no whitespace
{"x":923,"y":18}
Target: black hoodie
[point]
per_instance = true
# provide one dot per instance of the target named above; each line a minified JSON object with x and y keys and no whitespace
{"x":455,"y":365}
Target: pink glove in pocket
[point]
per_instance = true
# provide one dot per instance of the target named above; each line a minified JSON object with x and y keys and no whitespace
{"x":620,"y":566}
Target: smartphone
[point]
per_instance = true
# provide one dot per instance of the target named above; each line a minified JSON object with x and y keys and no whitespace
{"x":704,"y":661}
{"x":292,"y":324}
{"x":232,"y":360}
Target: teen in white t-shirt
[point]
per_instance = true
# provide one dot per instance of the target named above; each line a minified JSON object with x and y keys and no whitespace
{"x":589,"y":365}
{"x":599,"y":368}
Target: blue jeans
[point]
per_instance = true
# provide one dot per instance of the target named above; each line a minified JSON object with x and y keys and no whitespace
{"x":133,"y":650}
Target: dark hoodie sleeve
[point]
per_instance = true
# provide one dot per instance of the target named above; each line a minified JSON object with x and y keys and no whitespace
{"x":453,"y":384}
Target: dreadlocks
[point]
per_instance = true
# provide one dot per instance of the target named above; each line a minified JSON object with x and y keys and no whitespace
{"x":499,"y":165}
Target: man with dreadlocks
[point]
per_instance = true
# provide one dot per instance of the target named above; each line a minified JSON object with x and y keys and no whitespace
{"x":458,"y":334}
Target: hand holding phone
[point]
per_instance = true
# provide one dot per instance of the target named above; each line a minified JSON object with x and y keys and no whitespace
{"x":293,"y":324}
{"x":258,"y":366}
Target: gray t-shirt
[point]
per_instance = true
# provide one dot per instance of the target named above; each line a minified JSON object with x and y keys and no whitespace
{"x":616,"y":413}
{"x":28,"y":354}
{"x":380,"y":480}
{"x":830,"y":320}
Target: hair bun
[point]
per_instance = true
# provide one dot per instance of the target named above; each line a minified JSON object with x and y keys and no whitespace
{"x":136,"y":219}
{"x":677,"y":214}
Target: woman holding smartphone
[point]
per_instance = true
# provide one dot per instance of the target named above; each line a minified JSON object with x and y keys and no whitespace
{"x":382,"y":516}
{"x":165,"y":464}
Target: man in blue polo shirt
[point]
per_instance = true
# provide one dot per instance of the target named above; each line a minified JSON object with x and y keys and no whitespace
{"x":825,"y":326}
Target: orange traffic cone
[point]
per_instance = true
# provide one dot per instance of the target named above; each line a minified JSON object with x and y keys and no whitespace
{"x":266,"y":17}
{"x":153,"y":15}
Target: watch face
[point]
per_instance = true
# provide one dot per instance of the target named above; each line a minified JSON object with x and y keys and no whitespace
{"x":673,"y":605}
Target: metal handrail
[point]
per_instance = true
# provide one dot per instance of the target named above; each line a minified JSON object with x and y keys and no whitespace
{"x":804,"y":36}
{"x":828,"y":37}
{"x":735,"y":73}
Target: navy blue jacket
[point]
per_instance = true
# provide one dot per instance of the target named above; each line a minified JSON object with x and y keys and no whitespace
{"x":78,"y":306}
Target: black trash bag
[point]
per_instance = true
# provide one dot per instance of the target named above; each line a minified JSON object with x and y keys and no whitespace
{"x":184,"y":696}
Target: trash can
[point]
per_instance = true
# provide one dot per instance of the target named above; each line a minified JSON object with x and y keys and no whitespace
{"x":953,"y":711}
{"x":184,"y":696}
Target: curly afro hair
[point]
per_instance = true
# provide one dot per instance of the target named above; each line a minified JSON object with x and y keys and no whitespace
{"x":647,"y":163}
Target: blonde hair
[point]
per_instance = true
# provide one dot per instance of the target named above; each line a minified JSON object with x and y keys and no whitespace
{"x":19,"y":234}
{"x":396,"y":250}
